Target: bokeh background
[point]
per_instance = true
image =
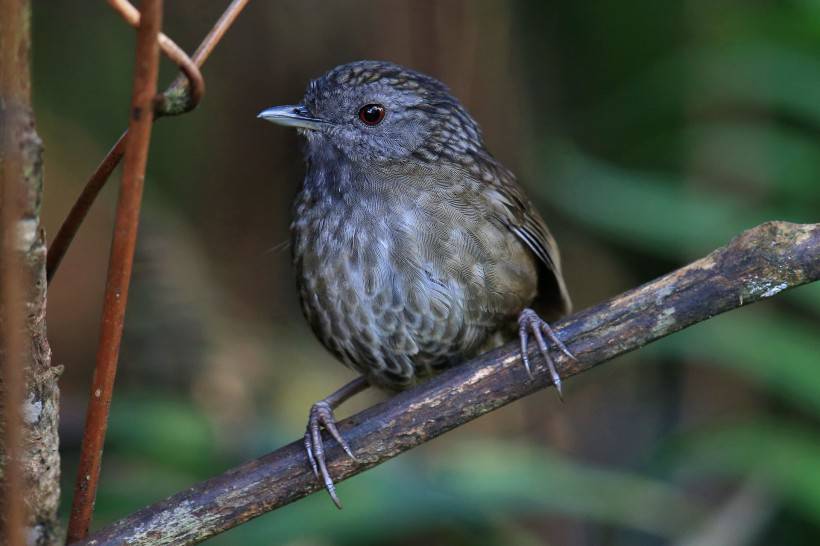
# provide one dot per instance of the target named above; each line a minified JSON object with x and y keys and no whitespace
{"x":647,"y":132}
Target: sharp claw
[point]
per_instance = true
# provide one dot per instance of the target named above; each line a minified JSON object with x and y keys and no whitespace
{"x":528,"y":367}
{"x":311,"y":458}
{"x":530,"y":322}
{"x":522,"y":336}
{"x":321,"y":415}
{"x":332,"y":490}
{"x":556,"y":379}
{"x":329,"y":485}
{"x":551,"y":334}
{"x":318,"y":449}
{"x":330,"y":426}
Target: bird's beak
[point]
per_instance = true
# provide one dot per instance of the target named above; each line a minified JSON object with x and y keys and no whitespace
{"x":292,"y":116}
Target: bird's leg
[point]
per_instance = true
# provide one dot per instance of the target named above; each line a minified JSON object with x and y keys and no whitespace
{"x":530,"y":323}
{"x":321,"y":416}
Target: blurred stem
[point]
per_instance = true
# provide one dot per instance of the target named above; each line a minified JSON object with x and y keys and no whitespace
{"x":28,"y":444}
{"x":739,"y":521}
{"x":758,"y":264}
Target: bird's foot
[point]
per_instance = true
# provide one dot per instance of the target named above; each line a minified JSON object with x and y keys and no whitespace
{"x":321,"y":416}
{"x":530,"y":323}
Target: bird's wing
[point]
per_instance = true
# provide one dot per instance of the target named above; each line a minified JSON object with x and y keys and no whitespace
{"x":513,"y":209}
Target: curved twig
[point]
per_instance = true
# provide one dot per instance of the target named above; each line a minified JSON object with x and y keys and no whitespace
{"x":123,"y":244}
{"x":756,"y":265}
{"x":79,"y":210}
{"x":166,"y":104}
{"x":218,"y":31}
{"x":206,"y":47}
{"x":171,"y":102}
{"x":175,"y":100}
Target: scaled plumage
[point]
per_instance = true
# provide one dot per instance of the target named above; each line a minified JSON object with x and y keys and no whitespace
{"x":411,"y":252}
{"x":414,"y":248}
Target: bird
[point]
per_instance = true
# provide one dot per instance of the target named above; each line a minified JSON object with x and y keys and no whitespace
{"x":414,"y":249}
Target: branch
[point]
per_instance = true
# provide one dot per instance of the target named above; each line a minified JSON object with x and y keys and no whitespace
{"x":172,"y":102}
{"x":29,"y":460}
{"x":123,"y":244}
{"x":181,"y":96}
{"x":756,"y":265}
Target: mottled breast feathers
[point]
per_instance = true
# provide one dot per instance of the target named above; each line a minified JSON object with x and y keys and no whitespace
{"x":406,"y":268}
{"x":413,"y":246}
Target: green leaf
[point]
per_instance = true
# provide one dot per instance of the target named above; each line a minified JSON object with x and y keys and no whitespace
{"x":776,"y":351}
{"x":781,"y":454}
{"x":535,"y":479}
{"x":161,"y":431}
{"x":479,"y":484}
{"x":647,"y":211}
{"x":778,"y":160}
{"x":755,"y":73}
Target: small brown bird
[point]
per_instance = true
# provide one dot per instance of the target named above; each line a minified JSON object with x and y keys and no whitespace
{"x":414,"y":248}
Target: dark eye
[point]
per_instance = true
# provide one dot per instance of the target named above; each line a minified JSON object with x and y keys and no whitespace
{"x":371,"y":114}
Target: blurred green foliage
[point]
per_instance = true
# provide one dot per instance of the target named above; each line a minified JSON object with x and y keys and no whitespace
{"x":648,"y":132}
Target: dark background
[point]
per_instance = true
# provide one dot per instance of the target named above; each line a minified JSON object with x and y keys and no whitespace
{"x":647,"y":132}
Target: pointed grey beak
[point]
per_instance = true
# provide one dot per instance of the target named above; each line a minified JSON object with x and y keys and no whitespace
{"x":292,"y":116}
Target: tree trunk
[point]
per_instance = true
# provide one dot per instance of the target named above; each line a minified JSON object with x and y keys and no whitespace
{"x":29,"y":389}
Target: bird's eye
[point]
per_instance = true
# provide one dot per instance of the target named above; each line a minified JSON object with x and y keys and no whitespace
{"x":371,"y":114}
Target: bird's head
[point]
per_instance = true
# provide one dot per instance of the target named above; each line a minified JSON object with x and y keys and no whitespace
{"x":372,"y":111}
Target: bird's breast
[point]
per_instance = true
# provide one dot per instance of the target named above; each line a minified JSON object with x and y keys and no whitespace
{"x":393,"y":282}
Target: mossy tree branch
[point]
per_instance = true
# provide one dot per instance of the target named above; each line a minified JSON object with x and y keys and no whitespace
{"x":756,"y":265}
